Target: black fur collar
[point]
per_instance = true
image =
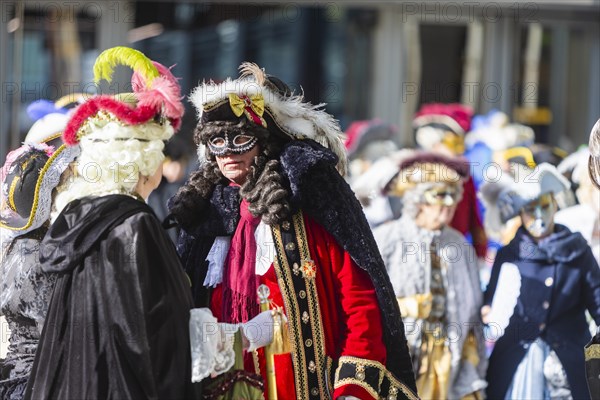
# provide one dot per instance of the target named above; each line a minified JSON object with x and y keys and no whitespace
{"x":319,"y":190}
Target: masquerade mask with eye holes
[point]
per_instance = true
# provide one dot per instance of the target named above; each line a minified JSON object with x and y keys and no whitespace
{"x":229,"y":143}
{"x":542,"y":213}
{"x":441,"y":196}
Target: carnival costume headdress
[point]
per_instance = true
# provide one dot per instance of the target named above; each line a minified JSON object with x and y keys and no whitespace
{"x":427,"y":168}
{"x":496,"y":132}
{"x":51,"y":119}
{"x":122,"y":136}
{"x":442,"y":123}
{"x":34,"y":170}
{"x":156,"y":99}
{"x":28,"y":178}
{"x":361,"y":136}
{"x":268,"y":102}
{"x":505,"y":198}
{"x":428,"y":177}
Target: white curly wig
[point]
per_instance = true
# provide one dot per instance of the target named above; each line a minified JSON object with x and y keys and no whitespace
{"x":113,"y":158}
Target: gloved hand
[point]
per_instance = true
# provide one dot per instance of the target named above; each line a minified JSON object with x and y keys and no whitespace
{"x":258,"y":332}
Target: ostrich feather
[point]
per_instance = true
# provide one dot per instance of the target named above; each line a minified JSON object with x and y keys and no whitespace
{"x":163,"y":92}
{"x":248,"y":69}
{"x":134,"y":59}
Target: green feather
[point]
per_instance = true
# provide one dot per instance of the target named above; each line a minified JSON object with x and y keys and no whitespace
{"x":120,"y":55}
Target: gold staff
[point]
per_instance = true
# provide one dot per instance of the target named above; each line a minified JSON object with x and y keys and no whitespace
{"x":263,"y":296}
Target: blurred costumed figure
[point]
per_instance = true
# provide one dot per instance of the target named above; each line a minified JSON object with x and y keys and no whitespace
{"x":541,"y":284}
{"x":583,"y":217}
{"x":592,"y":349}
{"x":270,"y":207}
{"x":489,"y":146}
{"x":366,"y":143}
{"x":441,"y":128}
{"x":435,"y":278}
{"x":29,"y":177}
{"x":50,"y":119}
{"x":496,"y":146}
{"x":117,"y":324}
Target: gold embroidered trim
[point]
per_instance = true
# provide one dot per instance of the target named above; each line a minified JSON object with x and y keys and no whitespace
{"x":360,"y":363}
{"x":383,"y":373}
{"x":299,"y":343}
{"x":11,"y":194}
{"x":36,"y":195}
{"x":256,"y":362}
{"x":214,"y":104}
{"x":292,"y":308}
{"x":309,"y":268}
{"x":328,"y":376}
{"x":362,"y":384}
{"x":395,"y":383}
{"x":294,"y":135}
{"x":592,"y":352}
{"x":51,"y":138}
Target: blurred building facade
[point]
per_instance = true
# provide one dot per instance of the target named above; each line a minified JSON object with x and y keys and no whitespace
{"x":538,"y":61}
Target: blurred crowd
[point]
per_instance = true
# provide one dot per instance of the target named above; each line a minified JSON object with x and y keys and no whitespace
{"x":491,"y":242}
{"x":481,"y":223}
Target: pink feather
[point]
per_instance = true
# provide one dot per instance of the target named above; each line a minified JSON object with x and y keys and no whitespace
{"x":164,"y":92}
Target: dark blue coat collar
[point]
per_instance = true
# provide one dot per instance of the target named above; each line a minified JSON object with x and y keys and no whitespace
{"x":561,"y":246}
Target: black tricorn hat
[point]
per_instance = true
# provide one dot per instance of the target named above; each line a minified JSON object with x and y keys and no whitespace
{"x":28,"y":177}
{"x":268,"y":102}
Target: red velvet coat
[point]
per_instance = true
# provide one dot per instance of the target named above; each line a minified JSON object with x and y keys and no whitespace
{"x":467,"y":218}
{"x":349,"y":310}
{"x":358,"y":314}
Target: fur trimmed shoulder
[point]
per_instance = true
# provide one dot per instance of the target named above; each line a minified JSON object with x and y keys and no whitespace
{"x":298,"y":158}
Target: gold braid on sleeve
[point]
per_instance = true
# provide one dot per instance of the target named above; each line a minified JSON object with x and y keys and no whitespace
{"x":371,"y":376}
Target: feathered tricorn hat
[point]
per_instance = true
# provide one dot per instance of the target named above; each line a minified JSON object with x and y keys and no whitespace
{"x":156,"y":93}
{"x":505,"y":197}
{"x":361,"y":134}
{"x":268,"y":102}
{"x":28,"y":178}
{"x":427,"y":167}
{"x":434,"y":120}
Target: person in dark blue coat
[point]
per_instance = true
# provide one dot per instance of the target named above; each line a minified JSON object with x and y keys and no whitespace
{"x":541,"y":284}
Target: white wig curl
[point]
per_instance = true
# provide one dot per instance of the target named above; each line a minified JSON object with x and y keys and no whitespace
{"x":113,"y":158}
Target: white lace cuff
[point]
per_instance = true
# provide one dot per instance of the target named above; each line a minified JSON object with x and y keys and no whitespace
{"x":216,"y":261}
{"x":211,"y":344}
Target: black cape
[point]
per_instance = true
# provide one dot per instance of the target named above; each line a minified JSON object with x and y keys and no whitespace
{"x":117,"y":325}
{"x":318,"y":189}
{"x":592,"y":366}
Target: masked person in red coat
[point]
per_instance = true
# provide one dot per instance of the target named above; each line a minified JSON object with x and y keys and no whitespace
{"x":268,"y":206}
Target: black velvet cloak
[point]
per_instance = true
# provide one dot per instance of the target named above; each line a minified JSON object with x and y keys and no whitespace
{"x":117,"y":325}
{"x":592,"y":366}
{"x":318,"y":189}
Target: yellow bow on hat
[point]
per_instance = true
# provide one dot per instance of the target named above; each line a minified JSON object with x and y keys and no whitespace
{"x":253,"y":106}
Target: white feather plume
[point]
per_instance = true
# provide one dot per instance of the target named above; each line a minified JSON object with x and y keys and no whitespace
{"x":295,"y":117}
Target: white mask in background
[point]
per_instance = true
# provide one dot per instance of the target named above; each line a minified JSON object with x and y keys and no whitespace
{"x":538,"y":216}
